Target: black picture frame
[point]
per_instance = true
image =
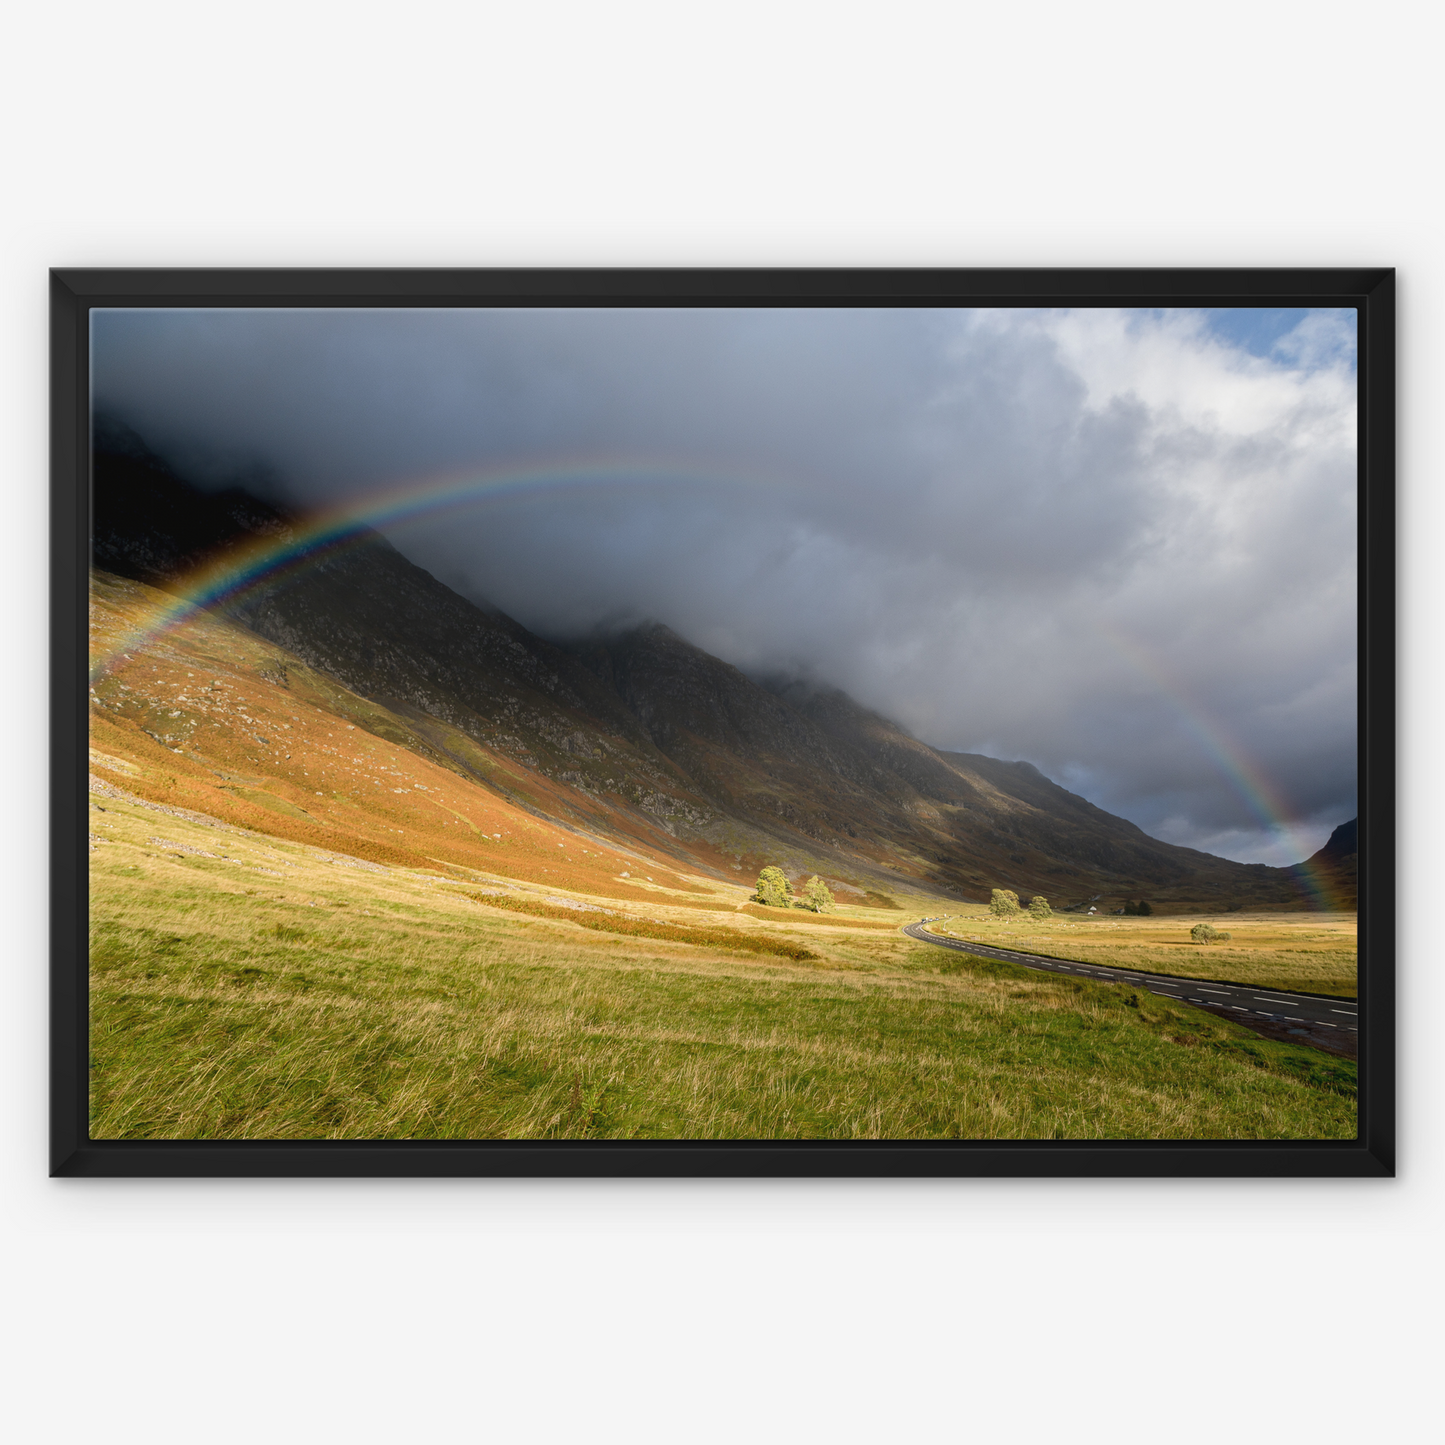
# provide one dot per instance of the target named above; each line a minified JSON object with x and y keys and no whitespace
{"x":73,"y":292}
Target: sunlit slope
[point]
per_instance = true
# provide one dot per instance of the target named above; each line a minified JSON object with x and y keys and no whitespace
{"x":212,"y":718}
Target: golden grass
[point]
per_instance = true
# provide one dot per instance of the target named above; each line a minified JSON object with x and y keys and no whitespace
{"x":266,"y":992}
{"x":608,"y":921}
{"x":1307,"y":952}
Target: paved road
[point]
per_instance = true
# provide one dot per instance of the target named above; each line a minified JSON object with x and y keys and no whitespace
{"x":1268,"y":1010}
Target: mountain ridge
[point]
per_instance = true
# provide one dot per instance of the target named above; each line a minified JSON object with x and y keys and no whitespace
{"x":722,"y":768}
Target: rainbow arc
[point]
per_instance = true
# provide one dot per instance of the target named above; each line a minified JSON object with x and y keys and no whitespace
{"x":1249,"y":780}
{"x":230,"y":579}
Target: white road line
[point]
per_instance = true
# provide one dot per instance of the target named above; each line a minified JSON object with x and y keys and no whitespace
{"x":1290,"y":1020}
{"x":1205,"y":988}
{"x":1258,"y":999}
{"x":1326,"y":1024}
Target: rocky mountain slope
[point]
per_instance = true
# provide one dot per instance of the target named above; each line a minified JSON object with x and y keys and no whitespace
{"x":648,"y":728}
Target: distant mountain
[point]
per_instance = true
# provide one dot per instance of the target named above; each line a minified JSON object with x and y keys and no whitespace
{"x":1336,"y":865}
{"x":1343,"y":846}
{"x":648,"y":731}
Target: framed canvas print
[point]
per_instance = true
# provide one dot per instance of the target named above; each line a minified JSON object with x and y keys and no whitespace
{"x":723,"y":722}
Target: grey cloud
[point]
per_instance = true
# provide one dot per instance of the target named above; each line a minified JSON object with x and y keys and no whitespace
{"x":951,"y":516}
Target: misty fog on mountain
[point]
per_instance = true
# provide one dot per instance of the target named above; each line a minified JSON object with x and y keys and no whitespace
{"x":1119,"y":545}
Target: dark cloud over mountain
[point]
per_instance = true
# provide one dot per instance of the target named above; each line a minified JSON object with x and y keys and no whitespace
{"x":1120,"y":546}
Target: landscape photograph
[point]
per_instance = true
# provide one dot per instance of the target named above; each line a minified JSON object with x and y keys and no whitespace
{"x":752,"y":723}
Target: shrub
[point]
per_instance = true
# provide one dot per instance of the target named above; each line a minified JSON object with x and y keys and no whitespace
{"x":1138,"y":910}
{"x":1039,"y":907}
{"x":774,"y":889}
{"x":1005,"y":903}
{"x":817,"y":897}
{"x":1207,"y":933}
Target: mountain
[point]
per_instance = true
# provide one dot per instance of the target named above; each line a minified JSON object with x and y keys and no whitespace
{"x":648,"y":735}
{"x":1336,"y":867}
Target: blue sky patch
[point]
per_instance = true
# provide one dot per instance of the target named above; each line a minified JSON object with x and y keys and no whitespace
{"x":1258,"y":329}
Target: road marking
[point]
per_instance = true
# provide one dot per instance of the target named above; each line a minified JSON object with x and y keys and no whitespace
{"x":1205,"y":988}
{"x":1348,"y":1012}
{"x":1290,"y":1020}
{"x":1258,"y":999}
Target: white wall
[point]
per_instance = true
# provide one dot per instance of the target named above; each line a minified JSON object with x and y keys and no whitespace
{"x":265,"y":133}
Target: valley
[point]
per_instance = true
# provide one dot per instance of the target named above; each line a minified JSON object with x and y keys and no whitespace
{"x":318,"y":916}
{"x":372,"y":860}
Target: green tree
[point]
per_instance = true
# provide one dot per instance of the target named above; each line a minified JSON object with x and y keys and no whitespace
{"x":1039,"y":906}
{"x":1004,"y":903}
{"x":1207,"y":933}
{"x":774,"y":889}
{"x":817,"y":897}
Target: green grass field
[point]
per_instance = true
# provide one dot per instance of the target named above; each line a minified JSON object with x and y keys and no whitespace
{"x":265,"y":992}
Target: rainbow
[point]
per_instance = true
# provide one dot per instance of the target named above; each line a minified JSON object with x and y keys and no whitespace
{"x":231,"y":578}
{"x":1258,"y":792}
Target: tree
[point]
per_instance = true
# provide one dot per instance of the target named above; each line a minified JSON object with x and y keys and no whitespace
{"x":1039,"y":906}
{"x":1004,"y":903}
{"x":817,"y":897}
{"x":1144,"y":910}
{"x":774,"y":889}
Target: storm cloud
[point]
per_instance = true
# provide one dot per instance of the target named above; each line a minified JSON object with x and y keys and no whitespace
{"x":1120,"y":545}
